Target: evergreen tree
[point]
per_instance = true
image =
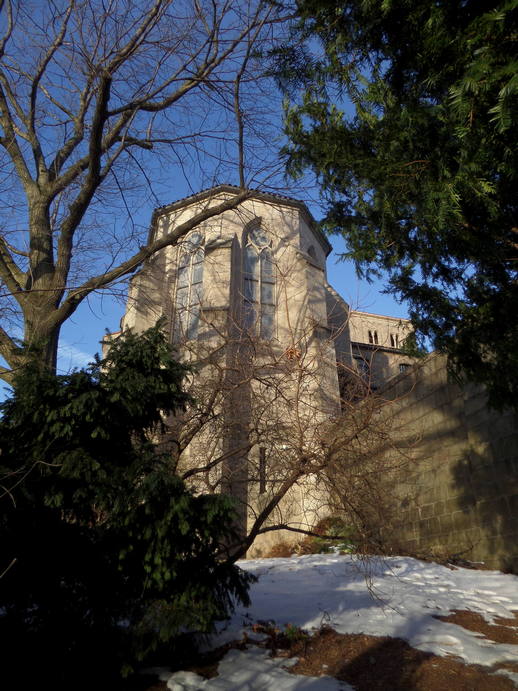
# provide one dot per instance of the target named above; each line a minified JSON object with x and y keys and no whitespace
{"x":106,"y":555}
{"x":420,"y":174}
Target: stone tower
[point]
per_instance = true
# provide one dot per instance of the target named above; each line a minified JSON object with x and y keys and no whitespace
{"x":246,"y":300}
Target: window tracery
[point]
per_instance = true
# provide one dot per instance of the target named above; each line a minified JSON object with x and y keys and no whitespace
{"x":189,"y":286}
{"x":258,"y":284}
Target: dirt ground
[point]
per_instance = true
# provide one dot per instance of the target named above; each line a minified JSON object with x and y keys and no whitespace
{"x":372,"y":663}
{"x":375,"y":663}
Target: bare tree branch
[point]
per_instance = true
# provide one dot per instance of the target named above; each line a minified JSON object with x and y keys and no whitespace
{"x":98,"y":87}
{"x":131,"y":265}
{"x":10,"y":273}
{"x":54,"y":46}
{"x":9,"y":28}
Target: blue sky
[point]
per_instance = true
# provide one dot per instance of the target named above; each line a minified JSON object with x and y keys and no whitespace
{"x":205,"y":154}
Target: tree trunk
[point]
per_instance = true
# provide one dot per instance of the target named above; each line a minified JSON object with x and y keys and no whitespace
{"x":42,"y":342}
{"x":41,"y":329}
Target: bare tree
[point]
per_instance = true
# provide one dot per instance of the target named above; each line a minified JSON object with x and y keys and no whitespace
{"x":369,"y":453}
{"x":88,"y":91}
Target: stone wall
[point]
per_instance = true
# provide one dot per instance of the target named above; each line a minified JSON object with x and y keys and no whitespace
{"x":377,"y":329}
{"x":458,"y":492}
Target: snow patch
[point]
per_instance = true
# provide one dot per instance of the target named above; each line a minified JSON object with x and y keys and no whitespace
{"x":395,"y":596}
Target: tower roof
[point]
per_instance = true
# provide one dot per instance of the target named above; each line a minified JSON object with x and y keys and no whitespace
{"x":273,"y":197}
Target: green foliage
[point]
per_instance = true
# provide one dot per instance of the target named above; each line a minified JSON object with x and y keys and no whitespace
{"x":337,"y":537}
{"x":110,"y":554}
{"x":277,"y":638}
{"x":420,"y":173}
{"x":411,"y":347}
{"x":294,"y":633}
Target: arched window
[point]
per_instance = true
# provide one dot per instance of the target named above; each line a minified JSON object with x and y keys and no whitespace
{"x":258,"y":284}
{"x":189,"y":284}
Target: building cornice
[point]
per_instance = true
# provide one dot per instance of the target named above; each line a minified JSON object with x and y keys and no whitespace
{"x":376,"y":347}
{"x":403,"y":320}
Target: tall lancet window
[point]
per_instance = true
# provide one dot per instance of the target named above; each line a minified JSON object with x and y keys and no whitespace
{"x":258,"y":284}
{"x":189,"y":286}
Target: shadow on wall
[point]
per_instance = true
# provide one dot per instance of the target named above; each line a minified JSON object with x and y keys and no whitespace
{"x":457,"y":496}
{"x":486,"y":480}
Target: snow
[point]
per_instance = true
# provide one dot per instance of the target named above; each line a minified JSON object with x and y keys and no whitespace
{"x":395,"y":596}
{"x":254,"y":670}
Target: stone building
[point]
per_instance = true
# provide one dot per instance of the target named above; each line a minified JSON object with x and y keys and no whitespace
{"x":376,"y":343}
{"x":245,"y":296}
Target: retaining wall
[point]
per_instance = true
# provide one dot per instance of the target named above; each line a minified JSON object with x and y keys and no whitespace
{"x":458,"y":492}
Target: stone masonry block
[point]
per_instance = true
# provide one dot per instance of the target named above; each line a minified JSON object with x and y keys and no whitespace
{"x":451,"y":505}
{"x":446,"y":523}
{"x":462,"y":520}
{"x":439,"y":508}
{"x":423,"y":527}
{"x":427,"y":510}
{"x":434,"y":526}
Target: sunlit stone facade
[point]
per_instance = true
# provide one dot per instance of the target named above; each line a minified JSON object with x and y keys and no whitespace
{"x":245,"y":297}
